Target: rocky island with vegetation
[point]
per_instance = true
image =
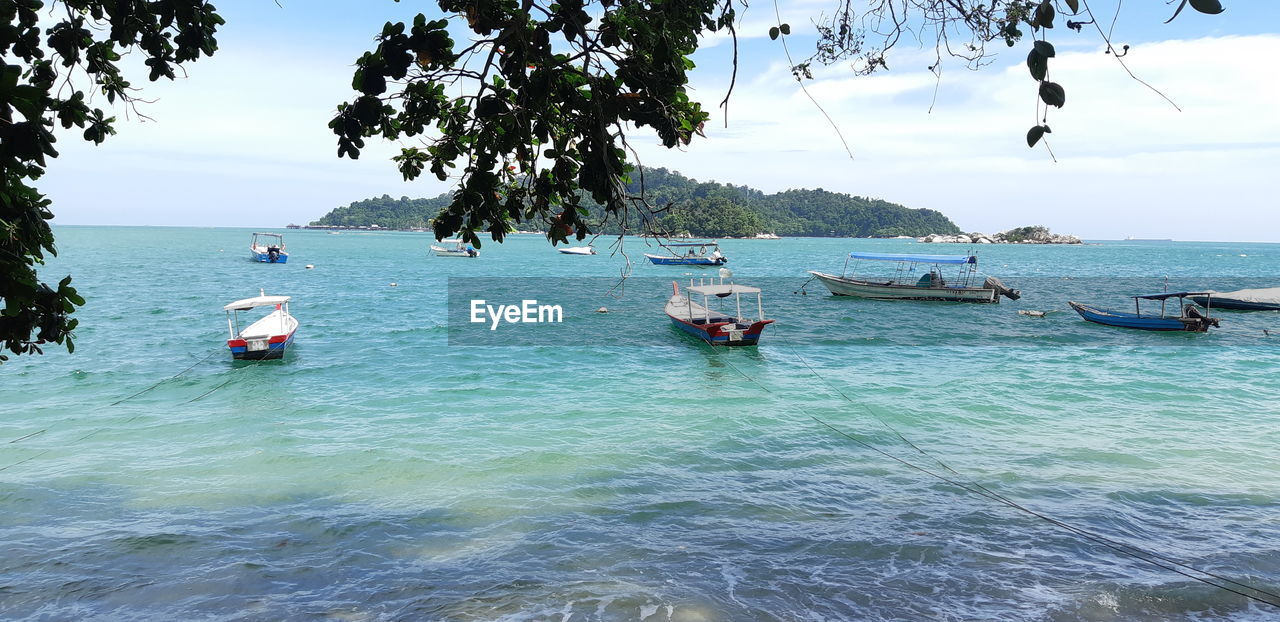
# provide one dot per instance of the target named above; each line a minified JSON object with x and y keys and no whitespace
{"x":692,"y":208}
{"x":1035,"y":234}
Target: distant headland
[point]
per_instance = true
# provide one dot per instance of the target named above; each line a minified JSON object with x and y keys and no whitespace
{"x":1022,"y":235}
{"x":693,"y":208}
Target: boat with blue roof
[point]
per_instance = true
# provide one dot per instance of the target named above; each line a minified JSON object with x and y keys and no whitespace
{"x":916,"y":277}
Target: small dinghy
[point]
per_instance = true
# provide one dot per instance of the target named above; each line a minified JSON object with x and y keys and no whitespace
{"x":1191,"y":319}
{"x":716,"y":327}
{"x":1265,"y":299}
{"x":690,"y":254}
{"x":578,"y":250}
{"x":266,"y":338}
{"x":456,"y":248}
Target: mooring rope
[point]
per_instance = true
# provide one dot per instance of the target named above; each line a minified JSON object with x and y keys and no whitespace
{"x":129,"y":397}
{"x":1155,"y":559}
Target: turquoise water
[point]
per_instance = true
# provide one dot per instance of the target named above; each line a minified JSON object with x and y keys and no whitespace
{"x":616,"y":469}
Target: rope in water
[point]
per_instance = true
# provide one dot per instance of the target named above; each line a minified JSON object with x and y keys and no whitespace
{"x":1164,"y":562}
{"x":129,"y":397}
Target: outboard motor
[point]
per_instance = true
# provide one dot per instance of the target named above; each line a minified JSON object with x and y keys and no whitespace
{"x":994,"y":283}
{"x":273,"y":254}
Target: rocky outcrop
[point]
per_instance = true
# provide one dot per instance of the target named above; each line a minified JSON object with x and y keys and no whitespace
{"x":1021,"y":235}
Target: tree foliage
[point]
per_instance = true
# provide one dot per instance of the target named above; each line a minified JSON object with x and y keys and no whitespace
{"x":549,"y":90}
{"x":52,"y":62}
{"x":386,"y":212}
{"x":532,"y":112}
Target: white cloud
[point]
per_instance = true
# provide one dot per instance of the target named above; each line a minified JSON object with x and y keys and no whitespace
{"x":1128,"y":162}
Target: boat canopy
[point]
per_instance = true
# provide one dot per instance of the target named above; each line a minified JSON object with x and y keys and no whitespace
{"x":944,"y":259}
{"x":1167,"y":295}
{"x":1268,"y":295}
{"x":256,"y":301}
{"x":723,"y":289}
{"x":691,"y":244}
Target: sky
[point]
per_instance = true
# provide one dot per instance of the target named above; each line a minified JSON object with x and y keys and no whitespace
{"x":243,"y":140}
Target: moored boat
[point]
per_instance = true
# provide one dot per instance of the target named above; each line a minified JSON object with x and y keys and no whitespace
{"x":455,"y":248}
{"x":697,"y":254}
{"x":1190,"y":319}
{"x":1264,"y":299}
{"x":716,"y":327}
{"x":904,"y":284}
{"x":269,"y":336}
{"x":578,"y":250}
{"x":267,"y":248}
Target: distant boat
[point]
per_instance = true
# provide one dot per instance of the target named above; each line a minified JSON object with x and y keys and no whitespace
{"x":905,"y":285}
{"x":458,"y":248}
{"x":267,"y":248}
{"x":716,"y":327}
{"x":1190,"y":318}
{"x":578,"y":250}
{"x":767,"y":236}
{"x":266,"y":338}
{"x":1265,"y":299}
{"x":699,"y":254}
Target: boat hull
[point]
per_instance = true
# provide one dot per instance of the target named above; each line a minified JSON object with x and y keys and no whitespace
{"x":450,"y":252}
{"x":841,"y":286}
{"x":659,"y":260}
{"x":281,"y":257}
{"x":273,"y":347}
{"x":1121,"y":319}
{"x":723,"y":334}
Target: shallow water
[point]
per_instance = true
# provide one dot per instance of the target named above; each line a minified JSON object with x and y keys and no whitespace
{"x":615,"y":469}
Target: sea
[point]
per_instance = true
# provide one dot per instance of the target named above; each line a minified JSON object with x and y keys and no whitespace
{"x":404,"y":462}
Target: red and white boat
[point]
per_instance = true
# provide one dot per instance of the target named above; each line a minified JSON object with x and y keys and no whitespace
{"x":718,"y":327}
{"x":266,"y":338}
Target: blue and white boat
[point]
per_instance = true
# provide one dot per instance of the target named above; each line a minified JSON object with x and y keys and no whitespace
{"x":1189,"y":319}
{"x":267,"y":248}
{"x":690,"y":254}
{"x":916,"y":277}
{"x":269,"y":336}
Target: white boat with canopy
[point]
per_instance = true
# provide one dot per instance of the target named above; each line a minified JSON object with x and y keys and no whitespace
{"x":710,"y":321}
{"x":455,"y":248}
{"x":916,"y":277}
{"x":269,"y":336}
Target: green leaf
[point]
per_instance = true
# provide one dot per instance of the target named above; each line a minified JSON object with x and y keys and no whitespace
{"x":1037,"y":64}
{"x":773,"y":33}
{"x":1036,"y":133}
{"x":1045,"y":49}
{"x":1074,"y":5}
{"x":1045,"y":13}
{"x":785,"y":28}
{"x":1053,"y":94}
{"x":1209,"y":7}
